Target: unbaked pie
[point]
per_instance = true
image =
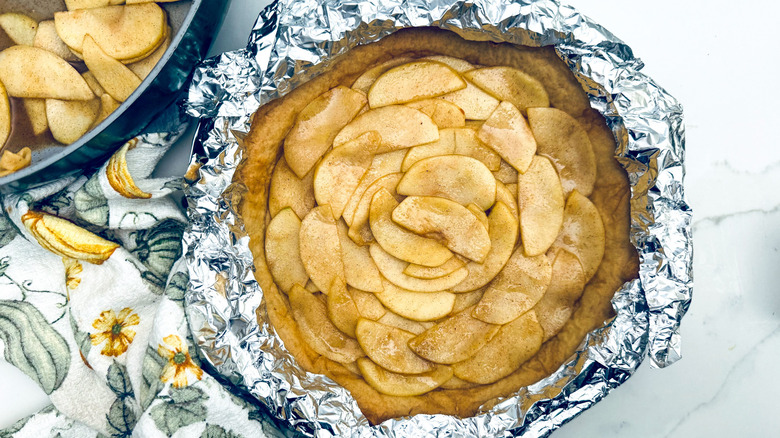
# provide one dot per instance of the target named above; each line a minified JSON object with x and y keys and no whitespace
{"x":436,"y":222}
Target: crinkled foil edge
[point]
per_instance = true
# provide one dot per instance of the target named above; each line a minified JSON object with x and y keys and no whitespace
{"x":293,"y":41}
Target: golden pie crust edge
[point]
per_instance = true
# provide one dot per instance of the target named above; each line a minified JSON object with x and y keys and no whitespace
{"x":611,"y":195}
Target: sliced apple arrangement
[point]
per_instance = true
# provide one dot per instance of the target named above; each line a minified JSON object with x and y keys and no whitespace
{"x":431,"y":225}
{"x":72,"y":72}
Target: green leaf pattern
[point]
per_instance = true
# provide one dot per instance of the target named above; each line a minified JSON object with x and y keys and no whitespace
{"x":33,"y":345}
{"x":157,"y":249}
{"x":90,"y":202}
{"x":151,"y":385}
{"x":183,"y":407}
{"x":215,"y":431}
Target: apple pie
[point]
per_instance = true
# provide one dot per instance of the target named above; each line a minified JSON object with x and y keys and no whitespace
{"x":436,"y":222}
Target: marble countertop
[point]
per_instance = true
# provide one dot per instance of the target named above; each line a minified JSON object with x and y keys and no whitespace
{"x":732,"y":331}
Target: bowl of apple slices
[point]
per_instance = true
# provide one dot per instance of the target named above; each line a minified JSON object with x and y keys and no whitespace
{"x":78,"y":78}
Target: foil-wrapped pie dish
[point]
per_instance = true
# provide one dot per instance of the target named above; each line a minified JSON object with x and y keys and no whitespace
{"x":445,"y":220}
{"x":427,"y":265}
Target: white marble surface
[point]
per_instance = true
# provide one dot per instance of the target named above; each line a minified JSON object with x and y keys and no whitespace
{"x":719,"y":61}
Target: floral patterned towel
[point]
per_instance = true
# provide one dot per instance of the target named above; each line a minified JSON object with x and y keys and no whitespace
{"x":91,"y":306}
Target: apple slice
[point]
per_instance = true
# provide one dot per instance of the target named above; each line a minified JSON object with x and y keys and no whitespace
{"x":461,"y":179}
{"x":456,"y":383}
{"x":282,"y":250}
{"x":30,"y":72}
{"x":516,"y":290}
{"x":457,"y":64}
{"x":398,"y":321}
{"x":359,"y":231}
{"x":466,"y":299}
{"x":445,"y":145}
{"x":507,"y":133}
{"x":540,"y":201}
{"x":451,"y":223}
{"x":364,"y":82}
{"x":387,"y":347}
{"x":5,"y":116}
{"x":107,"y":106}
{"x":557,"y":304}
{"x":317,"y":125}
{"x":455,"y":339}
{"x":467,"y":143}
{"x":93,"y":83}
{"x":563,"y":140}
{"x":68,"y":120}
{"x":417,"y":306}
{"x":402,"y":385}
{"x":287,"y":190}
{"x":46,"y":38}
{"x":320,"y":248}
{"x":393,"y":270}
{"x":479,"y":214}
{"x":118,"y":80}
{"x":36,"y":114}
{"x":398,"y":242}
{"x":505,"y":196}
{"x":503,"y":236}
{"x":339,"y":173}
{"x":367,"y":304}
{"x":510,"y":85}
{"x":429,"y":273}
{"x":400,"y":127}
{"x":582,"y":233}
{"x":514,"y":344}
{"x":72,"y":5}
{"x":362,"y":273}
{"x":310,"y":313}
{"x":382,"y":165}
{"x":19,"y":27}
{"x":506,"y":174}
{"x":342,"y":310}
{"x":475,"y":103}
{"x":416,"y":80}
{"x":143,"y":67}
{"x":125,"y":33}
{"x":444,"y":114}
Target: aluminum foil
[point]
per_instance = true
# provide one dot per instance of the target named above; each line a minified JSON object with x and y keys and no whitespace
{"x":292,"y":41}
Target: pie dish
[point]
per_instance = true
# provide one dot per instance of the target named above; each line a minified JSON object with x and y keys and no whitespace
{"x":426,"y":226}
